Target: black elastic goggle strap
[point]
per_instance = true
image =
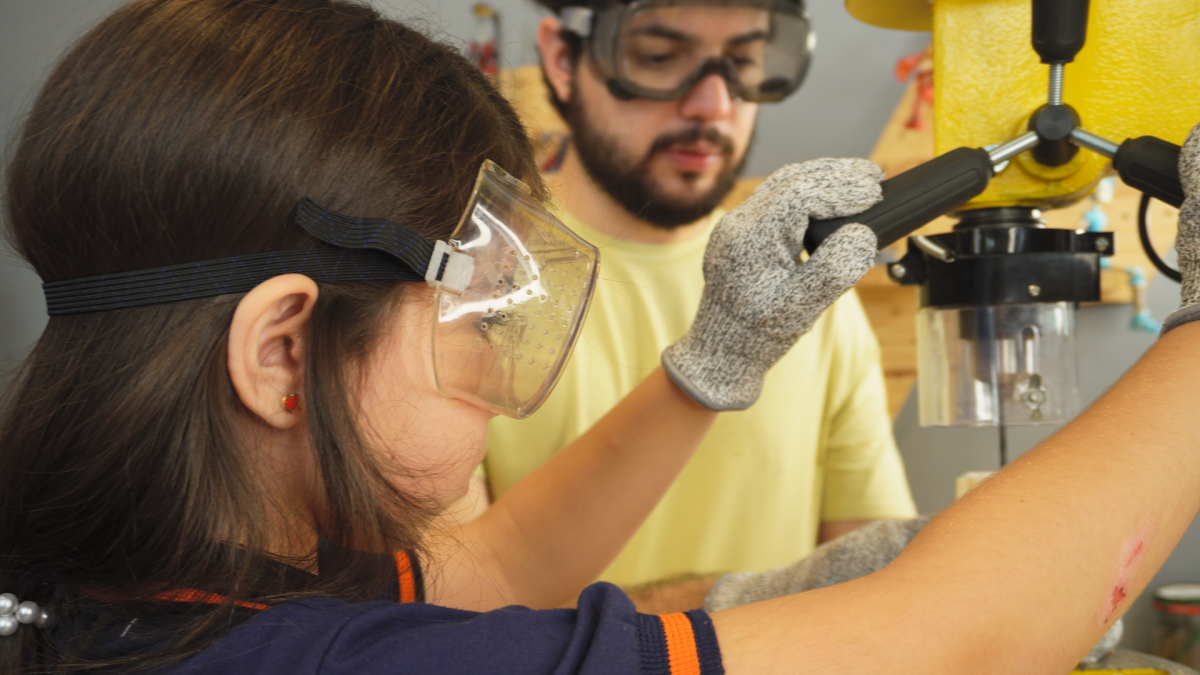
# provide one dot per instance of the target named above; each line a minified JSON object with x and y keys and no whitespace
{"x":363,"y":250}
{"x":380,"y":234}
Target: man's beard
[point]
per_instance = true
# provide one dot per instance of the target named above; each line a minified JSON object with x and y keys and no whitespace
{"x":631,"y":183}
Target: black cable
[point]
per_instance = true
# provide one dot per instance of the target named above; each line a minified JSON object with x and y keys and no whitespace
{"x":1144,"y":235}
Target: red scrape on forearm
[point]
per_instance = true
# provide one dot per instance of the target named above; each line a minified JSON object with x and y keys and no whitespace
{"x":1131,"y":554}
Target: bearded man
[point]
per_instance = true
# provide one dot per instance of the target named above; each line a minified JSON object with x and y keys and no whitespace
{"x":660,"y":98}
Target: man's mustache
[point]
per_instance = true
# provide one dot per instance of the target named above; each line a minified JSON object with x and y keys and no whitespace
{"x":692,"y":135}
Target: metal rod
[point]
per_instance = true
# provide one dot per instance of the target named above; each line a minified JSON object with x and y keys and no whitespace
{"x":1003,"y":445}
{"x":1056,"y":83}
{"x":933,"y":248}
{"x":998,"y":401}
{"x":1098,"y":145}
{"x":1016,"y":146}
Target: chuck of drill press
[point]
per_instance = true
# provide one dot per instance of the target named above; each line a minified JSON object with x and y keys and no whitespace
{"x":1059,"y":32}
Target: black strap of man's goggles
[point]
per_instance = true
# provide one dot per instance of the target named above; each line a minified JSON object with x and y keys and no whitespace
{"x":360,"y":249}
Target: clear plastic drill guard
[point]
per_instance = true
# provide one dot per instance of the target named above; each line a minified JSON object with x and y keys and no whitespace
{"x":997,"y":365}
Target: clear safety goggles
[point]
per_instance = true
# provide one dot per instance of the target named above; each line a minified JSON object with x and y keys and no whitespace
{"x":513,"y":286}
{"x":659,"y":49}
{"x":516,"y":289}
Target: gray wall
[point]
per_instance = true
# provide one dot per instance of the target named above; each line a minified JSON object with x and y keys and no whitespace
{"x":32,"y":35}
{"x":840,"y":111}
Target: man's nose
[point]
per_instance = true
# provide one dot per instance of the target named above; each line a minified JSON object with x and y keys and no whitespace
{"x":708,"y":99}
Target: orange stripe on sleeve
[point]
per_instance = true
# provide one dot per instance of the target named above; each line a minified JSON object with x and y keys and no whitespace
{"x":408,"y":584}
{"x":681,"y":644}
{"x":192,"y":595}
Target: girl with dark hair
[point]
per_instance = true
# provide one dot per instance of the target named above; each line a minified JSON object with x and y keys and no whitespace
{"x":247,"y":408}
{"x":226,"y":451}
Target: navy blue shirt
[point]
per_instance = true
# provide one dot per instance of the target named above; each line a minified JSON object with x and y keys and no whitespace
{"x":400,"y":633}
{"x":328,"y":636}
{"x":331,"y":637}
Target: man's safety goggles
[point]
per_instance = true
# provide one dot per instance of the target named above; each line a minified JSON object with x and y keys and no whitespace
{"x":659,"y":49}
{"x":513,"y":286}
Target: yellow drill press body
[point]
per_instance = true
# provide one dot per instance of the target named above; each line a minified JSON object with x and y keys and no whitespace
{"x":1137,"y":75}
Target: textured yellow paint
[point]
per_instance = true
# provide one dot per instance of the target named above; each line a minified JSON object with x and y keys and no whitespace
{"x":897,"y":14}
{"x":1139,"y":74}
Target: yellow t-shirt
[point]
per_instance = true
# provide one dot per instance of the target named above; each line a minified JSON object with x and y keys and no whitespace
{"x":816,"y":446}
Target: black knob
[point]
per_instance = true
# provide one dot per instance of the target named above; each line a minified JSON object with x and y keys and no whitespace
{"x":1151,"y":165}
{"x":1059,"y":29}
{"x":1053,"y":124}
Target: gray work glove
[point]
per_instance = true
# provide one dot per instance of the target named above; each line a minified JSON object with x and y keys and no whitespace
{"x":868,"y":549}
{"x":1187,"y":244}
{"x":758,"y":300}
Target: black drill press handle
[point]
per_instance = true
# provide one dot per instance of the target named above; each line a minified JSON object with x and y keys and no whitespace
{"x":916,"y":197}
{"x":1151,"y":165}
{"x":1059,"y":29}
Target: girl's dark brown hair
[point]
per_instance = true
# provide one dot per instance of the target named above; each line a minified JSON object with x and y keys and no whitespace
{"x":186,"y":130}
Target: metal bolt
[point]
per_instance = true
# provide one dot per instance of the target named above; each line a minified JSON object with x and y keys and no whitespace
{"x":897,"y":271}
{"x":1102,"y":244}
{"x":1035,"y":290}
{"x":1056,"y":84}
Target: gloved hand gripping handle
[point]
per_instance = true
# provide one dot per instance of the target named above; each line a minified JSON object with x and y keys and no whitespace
{"x":916,"y":197}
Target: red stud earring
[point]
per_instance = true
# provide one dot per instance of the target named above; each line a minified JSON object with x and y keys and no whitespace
{"x":290,"y":403}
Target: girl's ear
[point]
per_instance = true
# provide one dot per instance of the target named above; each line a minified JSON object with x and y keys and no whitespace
{"x":268,"y":338}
